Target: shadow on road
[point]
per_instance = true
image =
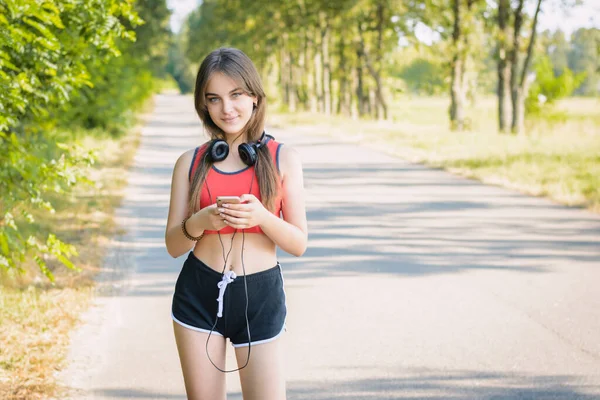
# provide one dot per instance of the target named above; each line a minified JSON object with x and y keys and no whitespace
{"x":400,"y":219}
{"x":415,"y":385}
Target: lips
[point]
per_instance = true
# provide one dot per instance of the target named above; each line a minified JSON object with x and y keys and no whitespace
{"x":229,"y":120}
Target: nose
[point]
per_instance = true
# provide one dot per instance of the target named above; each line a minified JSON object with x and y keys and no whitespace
{"x":227,"y":106}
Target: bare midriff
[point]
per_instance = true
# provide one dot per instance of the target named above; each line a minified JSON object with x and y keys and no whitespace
{"x":259,"y":252}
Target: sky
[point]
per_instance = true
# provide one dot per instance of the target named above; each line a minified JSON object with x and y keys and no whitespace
{"x":552,"y":17}
{"x":181,"y":8}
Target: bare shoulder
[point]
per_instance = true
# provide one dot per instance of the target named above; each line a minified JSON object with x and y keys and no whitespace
{"x":290,"y":161}
{"x":184,"y":161}
{"x":187,"y":156}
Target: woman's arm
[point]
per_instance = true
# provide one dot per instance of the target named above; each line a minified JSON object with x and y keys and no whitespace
{"x":176,"y":242}
{"x":207,"y":218}
{"x":291,"y":232}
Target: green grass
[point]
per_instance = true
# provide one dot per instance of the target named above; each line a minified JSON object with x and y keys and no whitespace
{"x":558,"y":157}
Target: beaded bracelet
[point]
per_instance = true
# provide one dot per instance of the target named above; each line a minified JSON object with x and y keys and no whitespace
{"x":186,"y":234}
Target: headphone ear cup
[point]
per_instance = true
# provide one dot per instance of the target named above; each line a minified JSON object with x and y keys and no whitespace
{"x":248,"y":153}
{"x":218,"y":150}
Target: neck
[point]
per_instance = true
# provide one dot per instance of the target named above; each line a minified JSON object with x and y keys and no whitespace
{"x":235,"y":139}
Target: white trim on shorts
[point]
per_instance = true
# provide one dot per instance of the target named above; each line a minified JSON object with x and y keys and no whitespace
{"x":193,"y":327}
{"x":261,"y":341}
{"x":283,"y":328}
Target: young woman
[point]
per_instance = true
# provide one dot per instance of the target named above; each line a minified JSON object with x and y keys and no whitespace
{"x":231,"y":284}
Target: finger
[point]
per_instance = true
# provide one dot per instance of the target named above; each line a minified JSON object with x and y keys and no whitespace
{"x":235,"y":226}
{"x":235,"y":213}
{"x":239,"y":207}
{"x":236,"y":221}
{"x":250,"y":198}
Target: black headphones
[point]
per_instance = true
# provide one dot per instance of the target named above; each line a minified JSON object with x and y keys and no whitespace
{"x":218,"y":150}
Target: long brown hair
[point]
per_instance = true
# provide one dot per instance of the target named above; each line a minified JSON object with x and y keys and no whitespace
{"x":236,"y":65}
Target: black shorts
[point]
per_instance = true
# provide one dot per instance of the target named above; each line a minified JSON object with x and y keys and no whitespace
{"x":195,"y":303}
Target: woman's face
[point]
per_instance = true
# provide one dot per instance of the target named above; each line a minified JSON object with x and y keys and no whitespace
{"x":228,"y":105}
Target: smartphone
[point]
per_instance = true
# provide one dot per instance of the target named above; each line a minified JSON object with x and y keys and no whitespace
{"x":228,"y":199}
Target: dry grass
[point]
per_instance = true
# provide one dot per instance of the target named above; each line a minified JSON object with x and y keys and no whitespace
{"x":558,"y":158}
{"x":37,"y":317}
{"x":34,"y":326}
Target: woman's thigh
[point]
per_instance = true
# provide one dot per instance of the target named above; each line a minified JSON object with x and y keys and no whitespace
{"x":264,"y":376}
{"x":202,"y":380}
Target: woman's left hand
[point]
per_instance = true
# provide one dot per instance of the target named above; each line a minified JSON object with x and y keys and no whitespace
{"x":246,"y":215}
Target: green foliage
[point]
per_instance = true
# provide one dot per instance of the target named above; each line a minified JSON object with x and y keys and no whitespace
{"x":31,"y":167}
{"x":153,"y":37}
{"x":120,"y":86}
{"x":44,"y":47}
{"x":548,"y":88}
{"x":425,"y":77}
{"x":178,"y":66}
{"x":584,"y":56}
{"x":557,"y":47}
{"x":63,"y":64}
{"x":309,"y":53}
{"x":579,"y":53}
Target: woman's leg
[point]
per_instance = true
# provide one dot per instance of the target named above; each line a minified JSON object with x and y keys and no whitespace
{"x":202,"y":380}
{"x":264,"y":376}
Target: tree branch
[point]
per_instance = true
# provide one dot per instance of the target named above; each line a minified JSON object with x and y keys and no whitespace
{"x":531,"y":44}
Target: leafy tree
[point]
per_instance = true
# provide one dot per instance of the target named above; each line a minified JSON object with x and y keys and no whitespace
{"x":424,"y":76}
{"x":556,"y":46}
{"x":64,"y":62}
{"x":584,"y":56}
{"x":43,"y":51}
{"x":120,"y":85}
{"x":459,"y":24}
{"x":178,"y":65}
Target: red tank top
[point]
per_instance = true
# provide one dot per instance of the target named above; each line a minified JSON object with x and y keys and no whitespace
{"x":233,"y":183}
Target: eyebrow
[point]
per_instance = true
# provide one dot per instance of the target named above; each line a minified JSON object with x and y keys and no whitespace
{"x":214,"y":94}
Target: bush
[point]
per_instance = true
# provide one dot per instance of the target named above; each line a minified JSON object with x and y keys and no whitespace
{"x":548,"y":88}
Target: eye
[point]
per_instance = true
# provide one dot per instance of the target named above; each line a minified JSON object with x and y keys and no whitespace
{"x":237,"y":94}
{"x":213,"y":99}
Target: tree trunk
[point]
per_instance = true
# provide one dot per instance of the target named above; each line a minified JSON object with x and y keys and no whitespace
{"x":292,"y":95}
{"x":318,"y":71}
{"x":379,"y":49}
{"x":518,"y":115}
{"x":326,"y":64}
{"x":514,"y":65}
{"x":343,"y":106}
{"x":283,"y":76}
{"x":381,"y":103}
{"x":520,"y":85}
{"x":311,"y":87}
{"x":353,"y":91}
{"x":373,"y":106}
{"x":457,"y":65}
{"x":503,"y":67}
{"x":381,"y":106}
{"x":360,"y":96}
{"x":301,"y":87}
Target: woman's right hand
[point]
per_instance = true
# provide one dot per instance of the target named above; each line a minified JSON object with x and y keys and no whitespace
{"x":210,"y":218}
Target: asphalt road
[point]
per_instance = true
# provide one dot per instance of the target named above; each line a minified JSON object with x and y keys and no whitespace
{"x":417,"y":284}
